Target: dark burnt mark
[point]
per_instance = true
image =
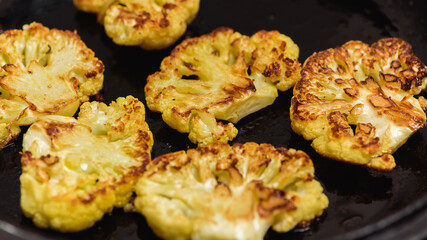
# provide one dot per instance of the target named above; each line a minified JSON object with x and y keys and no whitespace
{"x":183,"y":114}
{"x":169,"y":6}
{"x":143,"y":136}
{"x":272,"y":70}
{"x":99,"y":97}
{"x":91,"y":74}
{"x":54,"y":129}
{"x":137,"y":171}
{"x":8,"y":67}
{"x":282,"y":150}
{"x":190,"y":66}
{"x":297,"y":114}
{"x":339,"y":81}
{"x":283,"y":46}
{"x":339,"y":124}
{"x":100,"y":66}
{"x":352,"y":92}
{"x":215,"y":53}
{"x":390,"y":77}
{"x":289,"y":62}
{"x":164,"y":23}
{"x":406,"y":85}
{"x":163,"y":161}
{"x":326,"y":70}
{"x":274,"y":200}
{"x":386,"y":157}
{"x":140,"y":18}
{"x":302,"y":84}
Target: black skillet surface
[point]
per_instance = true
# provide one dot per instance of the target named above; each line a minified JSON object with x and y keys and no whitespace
{"x":363,"y":203}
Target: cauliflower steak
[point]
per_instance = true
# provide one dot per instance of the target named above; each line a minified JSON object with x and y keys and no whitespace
{"x":356,"y":102}
{"x":150,"y":24}
{"x":74,"y":171}
{"x":43,"y":72}
{"x":229,"y":192}
{"x":221,"y":76}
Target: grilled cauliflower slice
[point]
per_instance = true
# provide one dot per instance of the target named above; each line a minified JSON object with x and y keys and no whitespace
{"x":150,"y":24}
{"x":74,"y":171}
{"x":43,"y":72}
{"x":369,"y":87}
{"x":222,"y":75}
{"x":229,"y":192}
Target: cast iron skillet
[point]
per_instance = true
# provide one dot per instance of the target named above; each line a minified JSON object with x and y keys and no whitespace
{"x":363,"y":203}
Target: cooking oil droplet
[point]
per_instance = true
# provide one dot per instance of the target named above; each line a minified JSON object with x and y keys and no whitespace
{"x":352,"y":222}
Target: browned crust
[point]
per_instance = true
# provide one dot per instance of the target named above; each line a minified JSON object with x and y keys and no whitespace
{"x":259,"y":157}
{"x":401,"y":72}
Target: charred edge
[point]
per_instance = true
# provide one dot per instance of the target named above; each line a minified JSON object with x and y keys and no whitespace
{"x":296,"y":113}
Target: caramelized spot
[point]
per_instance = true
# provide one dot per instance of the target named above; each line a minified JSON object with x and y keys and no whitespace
{"x":378,"y":101}
{"x":164,"y":23}
{"x":273,"y":70}
{"x":352,"y":92}
{"x":91,"y":74}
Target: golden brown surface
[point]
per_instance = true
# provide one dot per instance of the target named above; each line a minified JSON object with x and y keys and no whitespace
{"x":43,"y":71}
{"x":368,"y":87}
{"x":150,"y":24}
{"x":75,"y":171}
{"x":229,"y":192}
{"x":221,"y":76}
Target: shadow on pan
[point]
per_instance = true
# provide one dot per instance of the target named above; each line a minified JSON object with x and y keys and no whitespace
{"x":363,"y":203}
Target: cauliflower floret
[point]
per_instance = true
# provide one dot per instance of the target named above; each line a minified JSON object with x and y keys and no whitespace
{"x":74,"y":171}
{"x":369,"y":88}
{"x":43,"y":72}
{"x":229,"y":192}
{"x":222,"y":75}
{"x":150,"y":24}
